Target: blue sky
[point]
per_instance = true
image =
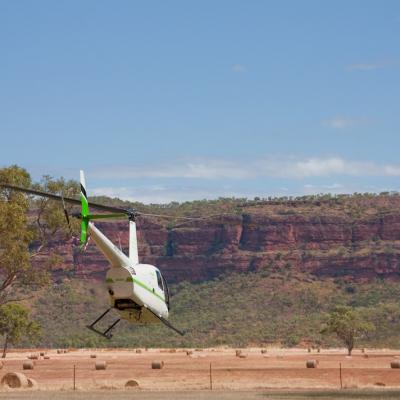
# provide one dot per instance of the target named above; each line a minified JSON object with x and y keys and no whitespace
{"x":179,"y":100}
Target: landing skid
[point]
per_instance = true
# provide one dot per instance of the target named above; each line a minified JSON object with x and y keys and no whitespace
{"x":107,"y":333}
{"x":165,"y":321}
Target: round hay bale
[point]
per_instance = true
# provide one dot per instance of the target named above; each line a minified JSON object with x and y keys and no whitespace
{"x":319,"y":350}
{"x":59,"y":351}
{"x":14,"y":380}
{"x":42,"y":354}
{"x":27,"y":365}
{"x":312,"y":364}
{"x":157,"y":364}
{"x":34,"y":356}
{"x":32,"y":383}
{"x":132,"y":384}
{"x":238,"y":353}
{"x":309,"y":350}
{"x":93,"y":355}
{"x":395,"y":364}
{"x":100,"y":365}
{"x":65,"y":351}
{"x":46,"y":357}
{"x":242,"y":355}
{"x":138,"y":351}
{"x":189,"y":352}
{"x":263,"y":351}
{"x":363,"y":350}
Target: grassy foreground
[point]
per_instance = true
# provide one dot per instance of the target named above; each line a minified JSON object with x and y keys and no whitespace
{"x":205,"y":395}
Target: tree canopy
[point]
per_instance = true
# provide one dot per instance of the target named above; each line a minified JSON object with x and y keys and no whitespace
{"x":348,"y":325}
{"x":16,"y":325}
{"x":25,"y":235}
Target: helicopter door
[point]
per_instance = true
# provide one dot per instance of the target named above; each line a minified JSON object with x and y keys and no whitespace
{"x":159,"y":280}
{"x":162,"y":284}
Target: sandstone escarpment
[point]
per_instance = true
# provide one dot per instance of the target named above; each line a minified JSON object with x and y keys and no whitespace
{"x":358,"y":247}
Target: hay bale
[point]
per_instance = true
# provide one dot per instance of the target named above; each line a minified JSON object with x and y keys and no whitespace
{"x":319,"y":350}
{"x":238,"y":353}
{"x":395,"y":364}
{"x":189,"y":352}
{"x":363,"y":350}
{"x":59,"y":351}
{"x":42,"y":354}
{"x":263,"y":351}
{"x":32,"y":383}
{"x":99,"y":365}
{"x":33,"y":356}
{"x":27,"y":365}
{"x":93,"y":355}
{"x":132,"y":384}
{"x":312,"y":363}
{"x":46,"y":357}
{"x":65,"y":351}
{"x":14,"y":380}
{"x":157,"y":364}
{"x":138,"y":351}
{"x":172,"y":351}
{"x":242,"y":355}
{"x":309,"y":350}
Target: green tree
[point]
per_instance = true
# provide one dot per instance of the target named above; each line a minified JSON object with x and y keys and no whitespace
{"x":24,"y":236}
{"x":16,"y":325}
{"x":348,"y":325}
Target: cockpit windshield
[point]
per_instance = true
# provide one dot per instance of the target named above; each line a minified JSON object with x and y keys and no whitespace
{"x":162,"y":284}
{"x":159,"y":280}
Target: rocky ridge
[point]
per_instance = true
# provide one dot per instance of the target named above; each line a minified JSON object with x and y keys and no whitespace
{"x":325,"y":242}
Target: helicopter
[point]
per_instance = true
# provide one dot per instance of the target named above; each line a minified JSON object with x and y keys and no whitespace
{"x":138,"y":292}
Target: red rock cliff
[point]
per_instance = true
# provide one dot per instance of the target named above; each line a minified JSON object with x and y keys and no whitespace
{"x":362,"y":247}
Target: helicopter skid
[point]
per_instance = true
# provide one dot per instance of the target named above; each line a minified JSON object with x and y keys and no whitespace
{"x":107,"y":333}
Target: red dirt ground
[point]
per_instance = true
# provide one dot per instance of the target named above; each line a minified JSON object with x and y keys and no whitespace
{"x":277,"y":369}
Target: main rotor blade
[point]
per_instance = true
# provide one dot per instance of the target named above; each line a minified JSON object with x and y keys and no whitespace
{"x":167,"y":216}
{"x":66,"y":199}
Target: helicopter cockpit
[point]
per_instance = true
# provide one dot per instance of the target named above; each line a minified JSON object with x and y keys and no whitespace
{"x":162,"y":284}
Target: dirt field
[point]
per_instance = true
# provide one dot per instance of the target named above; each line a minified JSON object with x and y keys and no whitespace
{"x":259,"y":375}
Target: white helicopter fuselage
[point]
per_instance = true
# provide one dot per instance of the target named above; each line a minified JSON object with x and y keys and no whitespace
{"x":134,"y":288}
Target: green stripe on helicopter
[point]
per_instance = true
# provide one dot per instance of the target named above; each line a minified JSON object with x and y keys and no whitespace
{"x":141,"y":284}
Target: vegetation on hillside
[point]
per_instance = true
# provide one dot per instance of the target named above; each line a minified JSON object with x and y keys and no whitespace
{"x":275,"y":305}
{"x":238,"y":310}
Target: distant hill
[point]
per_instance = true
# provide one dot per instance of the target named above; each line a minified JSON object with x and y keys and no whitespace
{"x":356,"y":237}
{"x":254,"y":272}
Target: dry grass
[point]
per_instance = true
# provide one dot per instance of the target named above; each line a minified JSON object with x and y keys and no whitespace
{"x":157,"y":364}
{"x":131,"y":383}
{"x":395,"y":364}
{"x":27,"y":365}
{"x":14,"y":380}
{"x":100,"y":365}
{"x":312,"y":363}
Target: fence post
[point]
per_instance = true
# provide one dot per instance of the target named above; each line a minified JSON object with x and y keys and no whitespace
{"x":211,"y":382}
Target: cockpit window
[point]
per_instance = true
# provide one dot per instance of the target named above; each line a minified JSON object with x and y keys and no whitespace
{"x":159,"y":280}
